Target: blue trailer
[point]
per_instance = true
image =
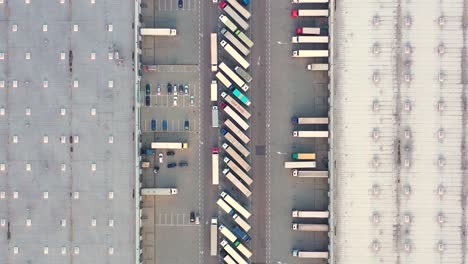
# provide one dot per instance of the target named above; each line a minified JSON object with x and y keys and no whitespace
{"x":241,"y":234}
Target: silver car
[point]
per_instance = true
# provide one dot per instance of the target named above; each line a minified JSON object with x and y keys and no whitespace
{"x":175,"y":101}
{"x":174,"y":89}
{"x":159,"y":89}
{"x":192,"y":100}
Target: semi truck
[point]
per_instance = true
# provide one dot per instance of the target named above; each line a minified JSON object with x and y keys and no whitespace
{"x":214,"y":236}
{"x":237,"y":157}
{"x":317,"y":67}
{"x":241,"y":222}
{"x":303,"y":156}
{"x":228,"y":23}
{"x":238,"y":19}
{"x":224,"y":80}
{"x":310,"y":214}
{"x":244,"y":99}
{"x":245,"y":75}
{"x":309,"y":39}
{"x":169,"y":145}
{"x":227,"y":233}
{"x":241,"y":35}
{"x":214,"y":52}
{"x":231,"y":139}
{"x":158,"y":191}
{"x":244,"y":189}
{"x":309,"y":13}
{"x":226,"y":208}
{"x":241,"y":234}
{"x":215,"y":166}
{"x":214,"y":116}
{"x":232,"y":102}
{"x":310,"y":120}
{"x":234,"y":116}
{"x":308,"y":31}
{"x":234,"y":129}
{"x":234,"y":54}
{"x":311,"y":134}
{"x":309,"y":174}
{"x":240,"y":9}
{"x":158,"y":32}
{"x":310,"y":53}
{"x":309,"y":1}
{"x":299,"y":164}
{"x":310,"y":227}
{"x":237,"y":206}
{"x":310,"y":254}
{"x":214,"y":91}
{"x":234,"y":41}
{"x":239,"y":172}
{"x":224,"y":244}
{"x":233,"y":76}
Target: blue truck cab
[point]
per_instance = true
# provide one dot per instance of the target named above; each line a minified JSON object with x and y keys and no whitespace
{"x":245,"y":2}
{"x":149,"y":152}
{"x":223,"y":131}
{"x":164,"y":125}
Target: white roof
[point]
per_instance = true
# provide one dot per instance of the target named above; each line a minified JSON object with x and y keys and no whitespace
{"x":357,"y":152}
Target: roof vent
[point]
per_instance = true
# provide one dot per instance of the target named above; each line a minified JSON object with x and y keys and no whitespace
{"x":407,"y":163}
{"x":375,"y":218}
{"x":407,"y":49}
{"x":441,"y":162}
{"x":376,"y":77}
{"x":376,"y":133}
{"x":407,"y":246}
{"x":407,"y":190}
{"x":440,"y":190}
{"x":407,"y":133}
{"x":375,"y":246}
{"x":376,"y":162}
{"x":441,"y":49}
{"x":408,"y":21}
{"x":376,"y":48}
{"x":407,"y":219}
{"x":375,"y":190}
{"x":407,"y":77}
{"x":440,"y":246}
{"x":441,"y":134}
{"x":442,"y":20}
{"x":441,"y":77}
{"x":376,"y":20}
{"x":407,"y":106}
{"x":441,"y":218}
{"x":440,"y":106}
{"x":375,"y":106}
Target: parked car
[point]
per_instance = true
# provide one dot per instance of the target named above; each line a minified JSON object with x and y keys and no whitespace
{"x":192,"y":100}
{"x":181,"y":88}
{"x":186,"y":125}
{"x":147,"y":101}
{"x":192,"y":217}
{"x":156,"y":169}
{"x":164,"y":125}
{"x":153,"y":124}
{"x":170,"y":153}
{"x":160,"y":155}
{"x":181,"y":3}
{"x":159,"y":89}
{"x":186,"y":89}
{"x":175,"y":101}
{"x":223,"y":4}
{"x":172,"y":165}
{"x":169,"y":88}
{"x":174,"y":89}
{"x":183,"y":164}
{"x":148,"y":89}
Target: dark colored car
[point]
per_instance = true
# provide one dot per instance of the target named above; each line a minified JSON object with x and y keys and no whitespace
{"x":192,"y":217}
{"x":147,"y":101}
{"x":169,"y":88}
{"x":172,"y":165}
{"x":181,"y":3}
{"x":164,"y":125}
{"x":186,"y":125}
{"x":170,"y":153}
{"x":153,"y":124}
{"x":148,"y":89}
{"x":183,"y":164}
{"x":156,"y":169}
{"x":181,"y":88}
